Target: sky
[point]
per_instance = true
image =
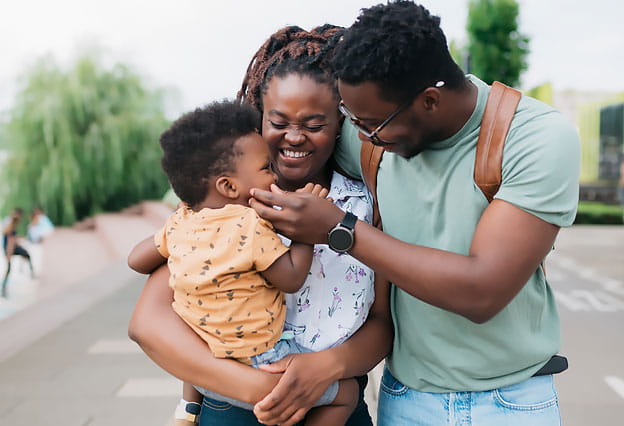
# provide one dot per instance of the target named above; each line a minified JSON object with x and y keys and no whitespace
{"x":199,"y":49}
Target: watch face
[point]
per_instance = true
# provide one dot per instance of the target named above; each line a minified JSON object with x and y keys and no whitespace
{"x":340,"y":239}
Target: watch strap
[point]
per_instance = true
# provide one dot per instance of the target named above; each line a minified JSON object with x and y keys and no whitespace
{"x":349,"y":220}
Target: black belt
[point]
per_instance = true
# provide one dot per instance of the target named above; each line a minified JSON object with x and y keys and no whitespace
{"x":556,"y":364}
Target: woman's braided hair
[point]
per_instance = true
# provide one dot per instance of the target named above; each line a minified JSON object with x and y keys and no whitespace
{"x":290,"y":50}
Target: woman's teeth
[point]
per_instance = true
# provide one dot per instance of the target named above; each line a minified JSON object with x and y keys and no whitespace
{"x":294,"y":154}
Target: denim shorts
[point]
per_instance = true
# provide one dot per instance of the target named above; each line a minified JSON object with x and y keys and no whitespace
{"x":532,"y":402}
{"x":219,"y":413}
{"x":280,"y":350}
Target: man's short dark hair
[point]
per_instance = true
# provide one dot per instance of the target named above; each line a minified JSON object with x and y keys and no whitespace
{"x":200,"y":145}
{"x":399,"y":46}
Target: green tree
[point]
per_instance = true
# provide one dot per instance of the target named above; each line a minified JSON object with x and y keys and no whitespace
{"x":82,"y":141}
{"x":497,"y":50}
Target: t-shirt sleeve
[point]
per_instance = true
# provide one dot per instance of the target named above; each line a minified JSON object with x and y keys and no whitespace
{"x":267,"y":245}
{"x":541,"y":169}
{"x":347,"y":151}
{"x":160,"y":241}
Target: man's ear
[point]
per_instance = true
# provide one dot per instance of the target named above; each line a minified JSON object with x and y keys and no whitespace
{"x":227,"y":187}
{"x":431,"y":98}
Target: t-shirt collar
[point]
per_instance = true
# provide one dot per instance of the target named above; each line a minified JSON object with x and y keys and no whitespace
{"x":475,"y":118}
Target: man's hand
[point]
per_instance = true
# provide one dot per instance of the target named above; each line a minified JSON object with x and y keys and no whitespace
{"x":302,"y":216}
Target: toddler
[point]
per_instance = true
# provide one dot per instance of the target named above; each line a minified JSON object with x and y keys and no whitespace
{"x":228,"y":267}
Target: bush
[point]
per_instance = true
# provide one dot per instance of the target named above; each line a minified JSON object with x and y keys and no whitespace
{"x":591,"y":212}
{"x":83,"y":141}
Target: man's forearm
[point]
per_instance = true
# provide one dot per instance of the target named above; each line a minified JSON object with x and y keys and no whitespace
{"x":506,"y":250}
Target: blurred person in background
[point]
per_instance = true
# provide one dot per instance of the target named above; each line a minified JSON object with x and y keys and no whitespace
{"x":11,"y":246}
{"x":40,"y":225}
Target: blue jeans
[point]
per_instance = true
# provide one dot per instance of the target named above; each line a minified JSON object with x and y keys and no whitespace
{"x":218,"y":413}
{"x":532,"y":402}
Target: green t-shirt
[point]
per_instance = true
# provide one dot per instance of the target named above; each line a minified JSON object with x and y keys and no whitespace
{"x":431,"y":200}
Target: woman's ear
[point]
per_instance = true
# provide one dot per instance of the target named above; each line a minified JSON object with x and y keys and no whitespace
{"x":227,"y":187}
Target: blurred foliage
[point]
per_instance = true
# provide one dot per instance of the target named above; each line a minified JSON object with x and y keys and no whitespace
{"x":496,"y":49}
{"x":458,"y":54}
{"x":543,"y":92}
{"x":591,"y":212}
{"x":82,"y":141}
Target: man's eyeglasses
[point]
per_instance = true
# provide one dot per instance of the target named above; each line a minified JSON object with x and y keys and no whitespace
{"x":373,"y":135}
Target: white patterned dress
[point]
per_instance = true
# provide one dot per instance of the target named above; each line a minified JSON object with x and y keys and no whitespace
{"x":335,"y":299}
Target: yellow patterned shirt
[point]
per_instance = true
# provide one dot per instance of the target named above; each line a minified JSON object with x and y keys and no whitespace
{"x":215,"y":257}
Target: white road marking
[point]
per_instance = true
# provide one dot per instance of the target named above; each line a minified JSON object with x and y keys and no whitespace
{"x":554,"y":275}
{"x":593,"y":300}
{"x":114,"y":346}
{"x":570,"y":302}
{"x":150,"y":387}
{"x":586,"y":300}
{"x":609,"y":284}
{"x":616,"y":384}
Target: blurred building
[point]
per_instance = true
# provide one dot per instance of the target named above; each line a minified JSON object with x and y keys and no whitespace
{"x":599,"y":118}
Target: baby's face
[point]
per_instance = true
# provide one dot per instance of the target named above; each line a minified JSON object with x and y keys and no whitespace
{"x":253,"y":164}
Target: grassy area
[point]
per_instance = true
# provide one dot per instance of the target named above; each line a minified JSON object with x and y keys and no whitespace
{"x":591,"y":212}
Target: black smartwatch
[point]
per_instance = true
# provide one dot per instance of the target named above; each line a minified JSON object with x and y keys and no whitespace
{"x":341,"y":237}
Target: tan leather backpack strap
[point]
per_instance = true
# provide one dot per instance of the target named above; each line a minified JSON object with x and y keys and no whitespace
{"x":499,"y":111}
{"x":370,"y":157}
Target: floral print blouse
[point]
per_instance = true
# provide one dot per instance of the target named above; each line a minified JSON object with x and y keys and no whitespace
{"x":335,"y":299}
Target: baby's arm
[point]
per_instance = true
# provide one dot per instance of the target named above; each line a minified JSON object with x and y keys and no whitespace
{"x":289,"y":272}
{"x":144,"y":257}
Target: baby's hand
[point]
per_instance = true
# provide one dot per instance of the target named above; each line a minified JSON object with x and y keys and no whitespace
{"x":314,"y":189}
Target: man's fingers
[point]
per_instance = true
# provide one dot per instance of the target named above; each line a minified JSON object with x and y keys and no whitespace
{"x":264,"y":211}
{"x":275,"y":197}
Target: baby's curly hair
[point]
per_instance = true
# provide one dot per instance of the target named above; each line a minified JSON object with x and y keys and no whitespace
{"x":200,"y":144}
{"x":291,"y":50}
{"x":399,"y":46}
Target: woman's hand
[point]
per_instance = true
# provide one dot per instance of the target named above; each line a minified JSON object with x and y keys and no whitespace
{"x":303,"y":216}
{"x":305,"y":377}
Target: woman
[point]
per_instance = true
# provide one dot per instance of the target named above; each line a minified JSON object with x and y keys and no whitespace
{"x":289,"y":82}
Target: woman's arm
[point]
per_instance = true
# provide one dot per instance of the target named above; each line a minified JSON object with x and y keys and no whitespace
{"x":175,"y":347}
{"x":306,"y":376}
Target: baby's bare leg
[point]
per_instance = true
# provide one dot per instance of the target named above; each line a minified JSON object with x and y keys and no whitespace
{"x":337,"y":413}
{"x":190,"y":394}
{"x":187,"y":414}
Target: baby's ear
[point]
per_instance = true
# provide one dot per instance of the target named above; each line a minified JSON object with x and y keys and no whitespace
{"x":227,"y":187}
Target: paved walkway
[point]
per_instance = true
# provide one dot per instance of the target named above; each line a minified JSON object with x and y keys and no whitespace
{"x":66,"y":360}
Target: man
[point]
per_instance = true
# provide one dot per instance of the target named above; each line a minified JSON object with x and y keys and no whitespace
{"x":474,"y":317}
